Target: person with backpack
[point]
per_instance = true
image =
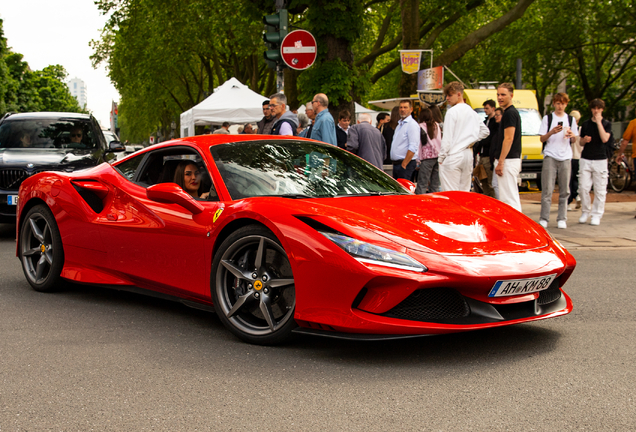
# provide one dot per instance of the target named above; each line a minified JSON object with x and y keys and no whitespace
{"x":597,"y":141}
{"x":557,"y":131}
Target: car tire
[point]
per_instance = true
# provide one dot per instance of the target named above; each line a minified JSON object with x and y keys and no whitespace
{"x":253,"y":286}
{"x":40,"y":249}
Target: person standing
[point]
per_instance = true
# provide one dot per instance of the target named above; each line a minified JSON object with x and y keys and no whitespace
{"x":286,"y":121}
{"x":428,"y":177}
{"x":406,"y":142}
{"x":498,"y":116}
{"x":311,"y":114}
{"x":482,"y":148}
{"x":267,"y":122}
{"x":366,"y":141}
{"x":628,"y":136}
{"x":507,"y":153}
{"x":324,"y":128}
{"x":595,"y":134}
{"x":389,"y":130}
{"x":557,"y":131}
{"x":574,"y":172}
{"x":224,"y":129}
{"x":342,"y":128}
{"x":462,"y":129}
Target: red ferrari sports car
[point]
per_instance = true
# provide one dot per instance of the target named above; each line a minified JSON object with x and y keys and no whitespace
{"x":284,"y":235}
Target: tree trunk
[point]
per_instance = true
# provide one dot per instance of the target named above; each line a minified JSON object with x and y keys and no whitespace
{"x":410,"y":40}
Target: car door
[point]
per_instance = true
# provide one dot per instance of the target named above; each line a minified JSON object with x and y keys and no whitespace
{"x":156,"y":245}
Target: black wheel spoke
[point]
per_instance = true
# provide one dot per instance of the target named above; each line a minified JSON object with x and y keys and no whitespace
{"x":242,"y":300}
{"x":35,"y":229}
{"x":243,"y":275}
{"x":277,"y":283}
{"x":266,"y":309}
{"x":31,"y":252}
{"x":259,"y":254}
{"x":40,"y":267}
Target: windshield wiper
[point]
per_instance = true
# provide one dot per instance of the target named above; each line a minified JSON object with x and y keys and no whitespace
{"x":377,"y":193}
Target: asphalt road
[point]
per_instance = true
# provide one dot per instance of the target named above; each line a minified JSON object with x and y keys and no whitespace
{"x":94,"y":359}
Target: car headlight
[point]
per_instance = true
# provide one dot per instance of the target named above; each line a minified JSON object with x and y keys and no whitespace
{"x":372,"y":254}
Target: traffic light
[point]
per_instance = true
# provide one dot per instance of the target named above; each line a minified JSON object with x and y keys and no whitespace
{"x":275,"y":31}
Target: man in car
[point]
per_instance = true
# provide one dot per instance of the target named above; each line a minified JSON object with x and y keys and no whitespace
{"x":76,"y":135}
{"x":507,"y":153}
{"x":286,"y":122}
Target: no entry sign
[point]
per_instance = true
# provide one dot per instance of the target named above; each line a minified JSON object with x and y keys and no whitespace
{"x":299,"y":49}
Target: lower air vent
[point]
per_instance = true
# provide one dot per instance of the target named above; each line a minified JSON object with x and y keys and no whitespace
{"x":431,"y":304}
{"x":550,"y":295}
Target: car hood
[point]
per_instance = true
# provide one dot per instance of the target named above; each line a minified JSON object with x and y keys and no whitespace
{"x":448,"y":223}
{"x":47,"y":158}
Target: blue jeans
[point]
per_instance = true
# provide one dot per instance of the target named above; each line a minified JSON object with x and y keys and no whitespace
{"x":405,"y":173}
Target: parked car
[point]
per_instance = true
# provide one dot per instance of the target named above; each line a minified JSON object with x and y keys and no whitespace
{"x":46,"y":141}
{"x":284,"y":235}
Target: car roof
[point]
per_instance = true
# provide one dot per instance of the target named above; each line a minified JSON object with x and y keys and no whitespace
{"x":46,"y":115}
{"x":205,"y":141}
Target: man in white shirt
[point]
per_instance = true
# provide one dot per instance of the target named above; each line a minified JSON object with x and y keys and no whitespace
{"x":406,"y":142}
{"x":557,"y":131}
{"x":463,"y":127}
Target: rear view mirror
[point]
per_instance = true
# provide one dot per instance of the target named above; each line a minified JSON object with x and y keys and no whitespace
{"x":116,"y":147}
{"x":407,"y":184}
{"x":171,"y":193}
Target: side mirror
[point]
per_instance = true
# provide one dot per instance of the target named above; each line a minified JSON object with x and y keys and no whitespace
{"x":407,"y":184}
{"x":116,"y":147}
{"x":171,"y":193}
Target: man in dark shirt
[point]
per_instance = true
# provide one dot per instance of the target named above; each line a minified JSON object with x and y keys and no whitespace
{"x":595,"y":134}
{"x":267,"y":122}
{"x":507,"y":153}
{"x":342,"y":128}
{"x":482,"y":148}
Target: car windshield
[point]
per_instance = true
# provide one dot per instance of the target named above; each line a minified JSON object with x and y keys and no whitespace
{"x":530,"y":120}
{"x":298,"y":169}
{"x":47,"y":133}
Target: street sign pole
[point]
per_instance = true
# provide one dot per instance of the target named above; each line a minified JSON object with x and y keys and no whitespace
{"x":280,"y":82}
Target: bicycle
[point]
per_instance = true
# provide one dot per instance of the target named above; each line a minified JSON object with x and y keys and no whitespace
{"x":620,"y":175}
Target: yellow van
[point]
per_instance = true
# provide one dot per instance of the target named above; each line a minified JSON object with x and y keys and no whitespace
{"x":526,"y":103}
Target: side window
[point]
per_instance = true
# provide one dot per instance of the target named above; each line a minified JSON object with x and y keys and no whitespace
{"x":182,"y":166}
{"x":128,"y":168}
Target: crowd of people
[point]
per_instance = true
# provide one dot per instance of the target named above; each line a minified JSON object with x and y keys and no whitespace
{"x":443,"y":154}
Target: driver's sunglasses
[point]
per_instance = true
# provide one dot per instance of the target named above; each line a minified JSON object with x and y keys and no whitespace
{"x":76,"y":135}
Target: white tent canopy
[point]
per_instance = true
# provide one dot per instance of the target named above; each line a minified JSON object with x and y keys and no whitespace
{"x":231,"y":102}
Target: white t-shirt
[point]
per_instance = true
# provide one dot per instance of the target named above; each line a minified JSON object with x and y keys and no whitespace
{"x":558,"y":146}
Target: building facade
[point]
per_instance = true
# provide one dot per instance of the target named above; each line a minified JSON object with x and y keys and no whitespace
{"x":78,"y":90}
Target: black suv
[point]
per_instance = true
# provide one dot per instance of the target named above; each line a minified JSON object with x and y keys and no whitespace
{"x":46,"y":141}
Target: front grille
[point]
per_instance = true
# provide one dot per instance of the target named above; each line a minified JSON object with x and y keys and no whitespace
{"x":431,"y":304}
{"x":550,"y":295}
{"x":11,"y":179}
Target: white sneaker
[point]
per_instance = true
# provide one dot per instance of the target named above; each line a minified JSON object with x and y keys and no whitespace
{"x":543,"y":223}
{"x":561,"y":224}
{"x":583,"y":218}
{"x":570,"y":207}
{"x":595,"y":220}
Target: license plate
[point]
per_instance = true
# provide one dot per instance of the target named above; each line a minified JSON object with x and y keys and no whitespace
{"x":511,"y":287}
{"x":527,"y":176}
{"x":12,"y":200}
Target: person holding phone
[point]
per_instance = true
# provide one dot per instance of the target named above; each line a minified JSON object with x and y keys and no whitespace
{"x":557,"y":131}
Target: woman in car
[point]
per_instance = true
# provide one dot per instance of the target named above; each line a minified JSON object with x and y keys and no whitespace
{"x":188,"y":176}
